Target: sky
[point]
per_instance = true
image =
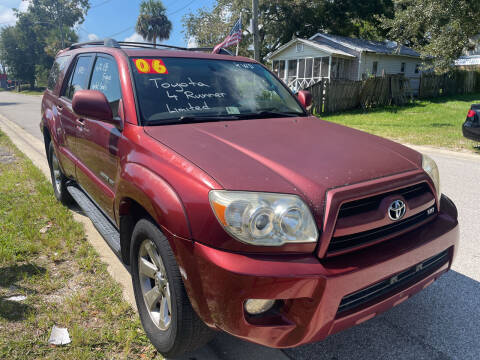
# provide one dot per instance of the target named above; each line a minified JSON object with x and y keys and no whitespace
{"x":117,"y":18}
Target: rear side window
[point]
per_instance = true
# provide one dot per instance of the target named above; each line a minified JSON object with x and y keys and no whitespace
{"x":57,"y":69}
{"x":105,"y":79}
{"x":79,"y":76}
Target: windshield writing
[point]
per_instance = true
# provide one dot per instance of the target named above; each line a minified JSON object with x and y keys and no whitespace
{"x":198,"y":87}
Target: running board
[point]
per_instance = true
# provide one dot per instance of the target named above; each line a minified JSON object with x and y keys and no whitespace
{"x":99,"y":220}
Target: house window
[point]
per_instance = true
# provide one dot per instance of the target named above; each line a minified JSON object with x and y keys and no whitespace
{"x":292,"y":69}
{"x":417,"y":68}
{"x":402,"y":68}
{"x":301,"y":68}
{"x":279,"y":68}
{"x":374,"y":68}
{"x":309,"y":68}
{"x":334,"y":69}
{"x":324,"y":66}
{"x":275,"y":66}
{"x":299,"y":47}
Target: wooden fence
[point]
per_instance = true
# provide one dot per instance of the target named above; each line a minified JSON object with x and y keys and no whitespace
{"x":340,"y":95}
{"x":453,"y":83}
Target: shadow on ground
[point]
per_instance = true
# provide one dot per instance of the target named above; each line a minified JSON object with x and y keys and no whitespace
{"x":461,"y":97}
{"x":9,"y":278}
{"x":442,"y":322}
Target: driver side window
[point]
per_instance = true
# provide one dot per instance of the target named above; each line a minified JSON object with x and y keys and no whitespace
{"x":105,"y":78}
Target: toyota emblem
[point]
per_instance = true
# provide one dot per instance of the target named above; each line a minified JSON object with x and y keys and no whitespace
{"x":396,"y":210}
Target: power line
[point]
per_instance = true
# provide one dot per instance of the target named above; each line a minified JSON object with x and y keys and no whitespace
{"x":176,"y":11}
{"x":121,"y":32}
{"x":101,"y":4}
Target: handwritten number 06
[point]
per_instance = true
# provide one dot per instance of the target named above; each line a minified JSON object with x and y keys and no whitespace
{"x":159,"y":67}
{"x":143,"y":66}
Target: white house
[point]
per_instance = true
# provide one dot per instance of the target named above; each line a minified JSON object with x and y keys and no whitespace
{"x":471,"y":58}
{"x":301,"y":63}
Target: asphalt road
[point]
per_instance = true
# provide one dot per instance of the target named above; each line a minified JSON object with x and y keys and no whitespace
{"x":441,"y":322}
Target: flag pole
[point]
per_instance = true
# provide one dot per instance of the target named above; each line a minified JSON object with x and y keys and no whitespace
{"x":238,"y":43}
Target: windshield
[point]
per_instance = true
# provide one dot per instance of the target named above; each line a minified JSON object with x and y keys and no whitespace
{"x":177,"y":90}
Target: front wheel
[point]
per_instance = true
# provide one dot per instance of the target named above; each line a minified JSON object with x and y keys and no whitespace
{"x":163,"y":305}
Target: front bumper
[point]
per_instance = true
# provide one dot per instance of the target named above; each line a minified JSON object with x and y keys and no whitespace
{"x":310,"y":290}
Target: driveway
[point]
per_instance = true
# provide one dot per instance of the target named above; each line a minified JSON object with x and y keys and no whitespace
{"x":442,"y":322}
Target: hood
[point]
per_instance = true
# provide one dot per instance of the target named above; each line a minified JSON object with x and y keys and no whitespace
{"x":304,"y":155}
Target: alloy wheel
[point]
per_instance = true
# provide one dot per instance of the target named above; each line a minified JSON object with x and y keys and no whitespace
{"x":154,"y":285}
{"x":57,"y":173}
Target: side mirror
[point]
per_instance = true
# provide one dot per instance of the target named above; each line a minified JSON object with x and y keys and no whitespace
{"x":93,"y":104}
{"x":305,"y":98}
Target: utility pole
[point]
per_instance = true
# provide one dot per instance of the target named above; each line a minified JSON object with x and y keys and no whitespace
{"x":60,"y":24}
{"x":61,"y":28}
{"x":238,"y":43}
{"x":256,"y":47}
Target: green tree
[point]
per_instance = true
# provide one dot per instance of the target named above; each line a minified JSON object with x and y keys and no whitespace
{"x":18,"y":58}
{"x":357,"y":18}
{"x":280,"y":20}
{"x":152,"y":23}
{"x":440,"y":30}
{"x":45,"y":27}
{"x":55,"y":20}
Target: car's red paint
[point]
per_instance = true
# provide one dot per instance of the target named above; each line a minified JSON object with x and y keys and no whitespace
{"x":221,"y":281}
{"x":170,"y":170}
{"x":305,"y":98}
{"x":93,"y":104}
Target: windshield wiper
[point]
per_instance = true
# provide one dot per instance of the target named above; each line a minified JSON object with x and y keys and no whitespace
{"x":270,"y":114}
{"x":188,"y":119}
{"x":192,"y":118}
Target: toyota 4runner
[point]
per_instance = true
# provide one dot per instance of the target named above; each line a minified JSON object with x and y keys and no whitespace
{"x":235,"y":209}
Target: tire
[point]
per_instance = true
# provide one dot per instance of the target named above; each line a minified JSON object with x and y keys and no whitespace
{"x":178,"y":329}
{"x":59,"y":181}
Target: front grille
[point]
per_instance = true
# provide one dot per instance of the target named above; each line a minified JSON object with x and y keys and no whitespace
{"x":357,"y":207}
{"x":403,"y":279}
{"x":354,"y":240}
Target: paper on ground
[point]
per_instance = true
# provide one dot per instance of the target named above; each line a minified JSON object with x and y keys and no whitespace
{"x":59,"y":336}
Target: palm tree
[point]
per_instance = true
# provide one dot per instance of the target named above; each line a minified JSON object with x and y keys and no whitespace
{"x":152,"y":23}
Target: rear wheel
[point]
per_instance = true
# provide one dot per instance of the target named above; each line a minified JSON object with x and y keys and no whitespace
{"x":59,"y":181}
{"x":163,"y":305}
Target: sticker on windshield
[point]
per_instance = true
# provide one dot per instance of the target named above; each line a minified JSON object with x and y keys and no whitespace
{"x":232,"y":110}
{"x":150,"y":66}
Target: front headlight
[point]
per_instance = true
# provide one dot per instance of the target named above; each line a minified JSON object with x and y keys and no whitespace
{"x":263,"y":218}
{"x":430,"y":167}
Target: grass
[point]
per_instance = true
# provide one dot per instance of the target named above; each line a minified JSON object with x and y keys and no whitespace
{"x":44,"y":256}
{"x":32,"y":92}
{"x":435,"y":122}
{"x":25,"y":89}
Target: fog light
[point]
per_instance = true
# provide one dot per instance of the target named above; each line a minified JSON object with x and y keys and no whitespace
{"x":258,"y":306}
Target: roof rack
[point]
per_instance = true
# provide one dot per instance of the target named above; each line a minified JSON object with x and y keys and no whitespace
{"x":118,"y":44}
{"x":148,"y":45}
{"x":133,"y":44}
{"x":107,"y":42}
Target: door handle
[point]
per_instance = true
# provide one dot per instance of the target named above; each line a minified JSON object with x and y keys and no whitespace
{"x":80,"y":124}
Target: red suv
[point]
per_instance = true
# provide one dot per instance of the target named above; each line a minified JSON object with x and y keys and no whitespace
{"x":235,"y":209}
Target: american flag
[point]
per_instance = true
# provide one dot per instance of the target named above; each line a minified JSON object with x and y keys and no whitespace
{"x":233,"y":38}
